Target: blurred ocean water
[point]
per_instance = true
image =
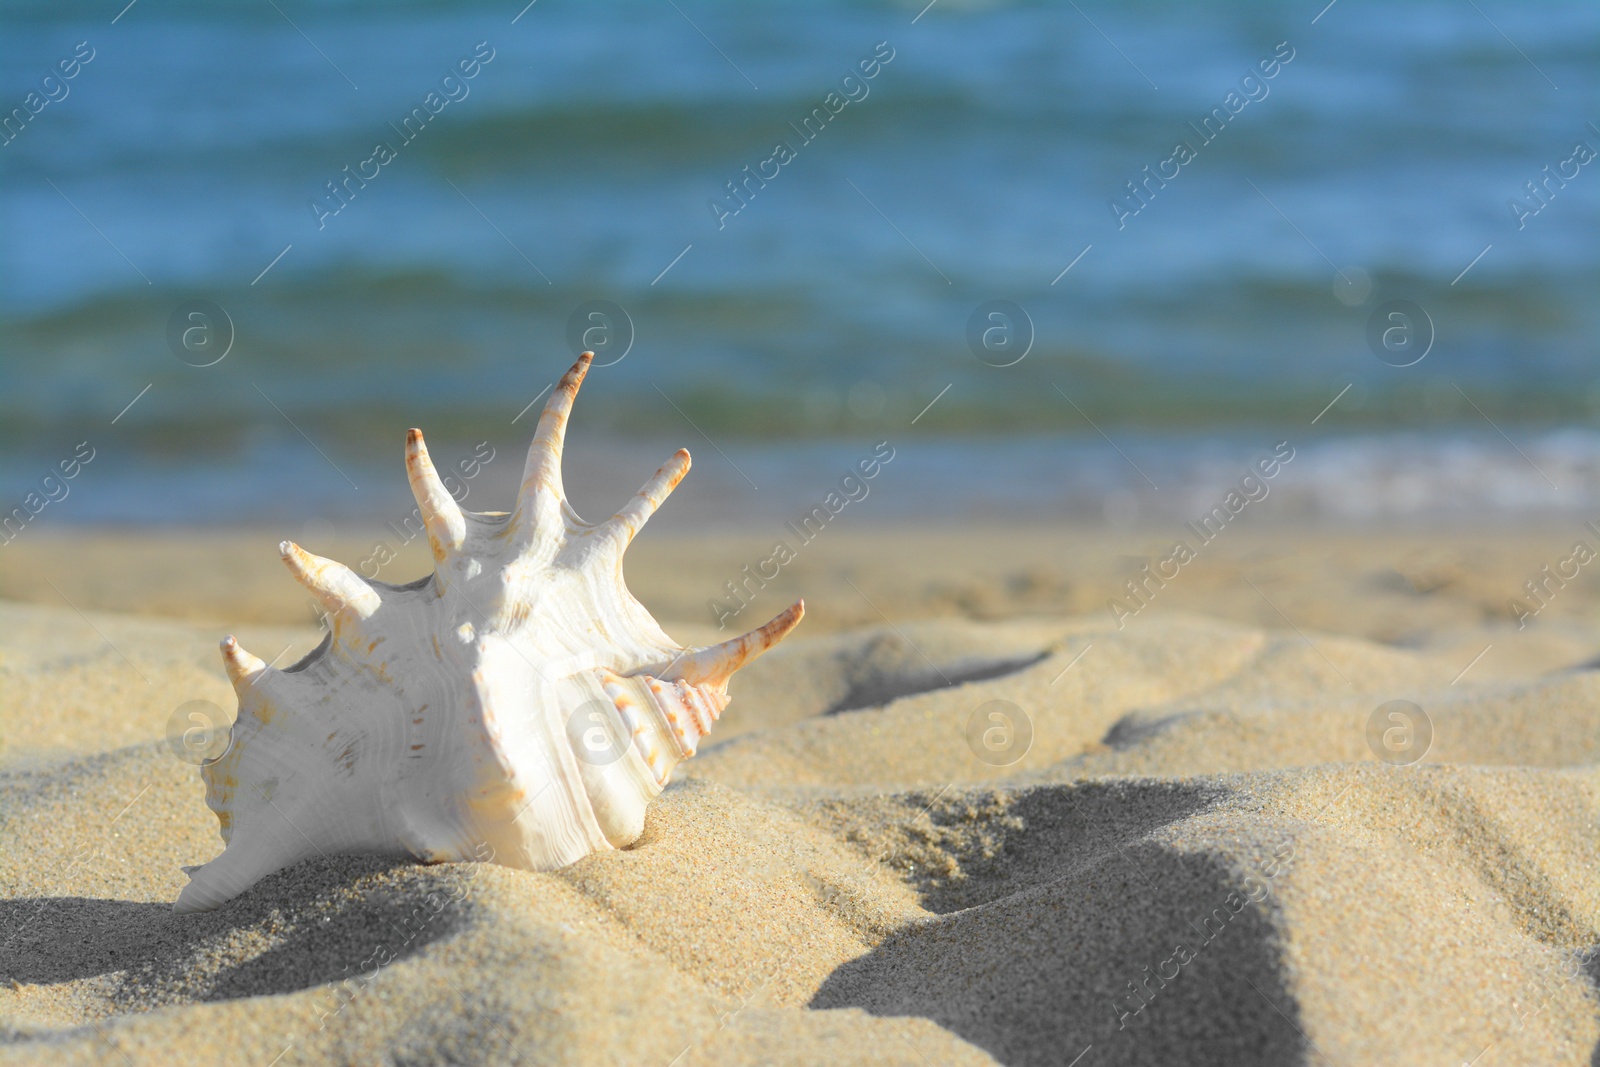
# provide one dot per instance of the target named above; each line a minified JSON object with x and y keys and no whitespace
{"x":629,"y":153}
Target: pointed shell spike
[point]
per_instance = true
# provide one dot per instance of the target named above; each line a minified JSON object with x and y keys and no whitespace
{"x":716,"y":664}
{"x":243,"y":668}
{"x":337,"y":586}
{"x":447,"y":529}
{"x":542,"y":495}
{"x":636,"y":512}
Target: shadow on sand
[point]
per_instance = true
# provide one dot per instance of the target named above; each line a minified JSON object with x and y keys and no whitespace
{"x":316,"y":923}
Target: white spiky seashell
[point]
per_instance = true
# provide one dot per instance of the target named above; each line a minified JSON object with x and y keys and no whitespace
{"x":517,"y":704}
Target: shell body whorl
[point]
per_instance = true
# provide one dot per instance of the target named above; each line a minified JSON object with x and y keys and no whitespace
{"x":517,"y":705}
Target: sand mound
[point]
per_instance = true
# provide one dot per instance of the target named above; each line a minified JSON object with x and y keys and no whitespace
{"x":1180,"y":847}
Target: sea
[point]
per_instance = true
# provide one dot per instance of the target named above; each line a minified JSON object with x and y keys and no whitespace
{"x":1065,"y":259}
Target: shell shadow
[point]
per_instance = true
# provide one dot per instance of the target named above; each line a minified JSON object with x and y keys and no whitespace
{"x":45,"y":940}
{"x":1078,"y":938}
{"x":317,"y":923}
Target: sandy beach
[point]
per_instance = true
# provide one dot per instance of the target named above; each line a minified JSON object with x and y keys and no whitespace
{"x":1182,"y":845}
{"x":1136,"y":602}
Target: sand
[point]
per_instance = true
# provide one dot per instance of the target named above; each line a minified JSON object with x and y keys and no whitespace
{"x":1196,"y":857}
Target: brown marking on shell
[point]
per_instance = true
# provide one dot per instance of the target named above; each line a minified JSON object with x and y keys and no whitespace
{"x":689,"y":699}
{"x":340,"y":589}
{"x":713,"y":666}
{"x":652,"y":758}
{"x":546,"y":447}
{"x":243,"y":669}
{"x":495,"y":797}
{"x":630,"y":719}
{"x":441,"y":516}
{"x":627,"y":522}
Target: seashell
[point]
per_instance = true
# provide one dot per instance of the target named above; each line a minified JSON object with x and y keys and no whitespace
{"x":518,"y":704}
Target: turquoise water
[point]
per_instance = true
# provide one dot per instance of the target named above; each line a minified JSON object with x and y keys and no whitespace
{"x":892,"y":173}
